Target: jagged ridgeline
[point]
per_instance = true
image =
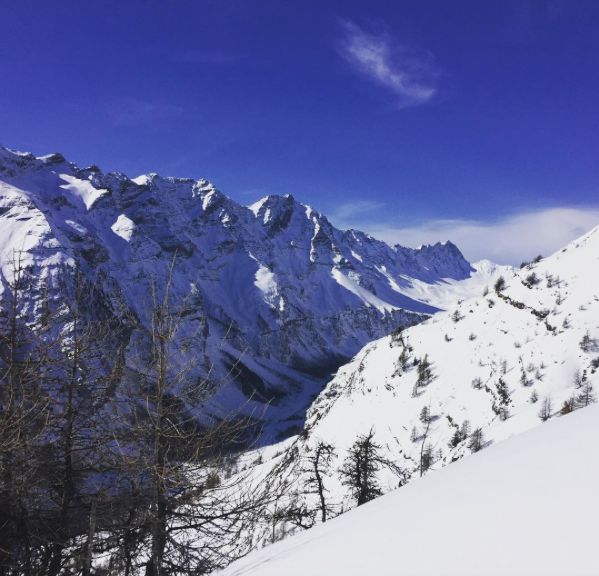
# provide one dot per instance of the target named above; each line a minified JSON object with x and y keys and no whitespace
{"x":281,"y":297}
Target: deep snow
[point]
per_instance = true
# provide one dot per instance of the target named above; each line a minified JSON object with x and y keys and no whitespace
{"x":524,"y":507}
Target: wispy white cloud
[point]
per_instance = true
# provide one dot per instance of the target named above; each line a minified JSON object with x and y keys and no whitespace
{"x":410,"y":75}
{"x":510,"y":240}
{"x":352,"y":211}
{"x":131,"y":112}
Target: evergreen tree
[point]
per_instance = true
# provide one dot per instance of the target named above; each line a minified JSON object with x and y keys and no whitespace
{"x":500,"y":284}
{"x":587,"y":343}
{"x":425,"y":373}
{"x":465,"y":430}
{"x":477,"y":383}
{"x":414,"y":434}
{"x":477,"y":440}
{"x":587,"y":395}
{"x":360,"y":469}
{"x":455,"y":439}
{"x":546,"y":409}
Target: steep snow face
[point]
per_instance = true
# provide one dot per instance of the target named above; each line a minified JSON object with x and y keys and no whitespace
{"x":526,"y":506}
{"x":123,"y":227}
{"x":495,"y":362}
{"x":294,"y":294}
{"x":82,"y":189}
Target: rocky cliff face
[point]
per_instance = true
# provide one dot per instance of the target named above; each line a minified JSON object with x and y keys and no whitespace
{"x":276,"y":284}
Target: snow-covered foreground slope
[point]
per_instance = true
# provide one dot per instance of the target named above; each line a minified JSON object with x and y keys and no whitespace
{"x":292,"y":296}
{"x":526,"y":507}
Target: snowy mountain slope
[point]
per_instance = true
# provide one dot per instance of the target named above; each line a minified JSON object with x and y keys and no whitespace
{"x":523,"y":507}
{"x":295,"y":296}
{"x":494,"y":361}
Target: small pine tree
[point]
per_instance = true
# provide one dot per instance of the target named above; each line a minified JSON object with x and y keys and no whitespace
{"x":477,"y":383}
{"x":587,"y":343}
{"x":500,"y":284}
{"x":587,"y":395}
{"x":534,"y":397}
{"x":425,"y":415}
{"x":414,"y":435}
{"x":403,"y":359}
{"x":503,"y":391}
{"x":477,"y":440}
{"x":465,"y":431}
{"x":455,"y":439}
{"x":577,"y":379}
{"x":456,"y":316}
{"x":546,"y":409}
{"x":425,"y":373}
{"x":415,"y":390}
{"x":428,"y":458}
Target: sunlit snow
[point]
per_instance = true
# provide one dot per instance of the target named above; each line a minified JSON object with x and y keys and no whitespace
{"x":123,"y":227}
{"x":82,"y":189}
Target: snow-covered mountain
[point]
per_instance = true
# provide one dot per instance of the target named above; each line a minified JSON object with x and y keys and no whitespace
{"x":524,"y":507}
{"x":491,"y":368}
{"x":294,"y":296}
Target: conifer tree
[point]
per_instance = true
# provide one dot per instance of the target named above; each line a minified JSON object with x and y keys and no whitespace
{"x":360,"y":469}
{"x":477,"y":440}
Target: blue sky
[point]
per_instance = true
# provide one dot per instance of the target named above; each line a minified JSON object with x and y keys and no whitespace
{"x":408,"y":119}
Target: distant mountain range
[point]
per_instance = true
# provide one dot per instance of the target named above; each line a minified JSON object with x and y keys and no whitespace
{"x":279,"y":288}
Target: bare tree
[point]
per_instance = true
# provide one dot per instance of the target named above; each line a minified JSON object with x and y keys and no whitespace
{"x":23,"y":417}
{"x":546,"y":409}
{"x":174,"y":445}
{"x":82,"y":383}
{"x":318,"y":466}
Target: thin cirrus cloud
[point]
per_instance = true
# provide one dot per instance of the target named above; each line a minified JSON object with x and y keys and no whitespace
{"x":510,"y":240}
{"x":377,"y":56}
{"x":345,"y":212}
